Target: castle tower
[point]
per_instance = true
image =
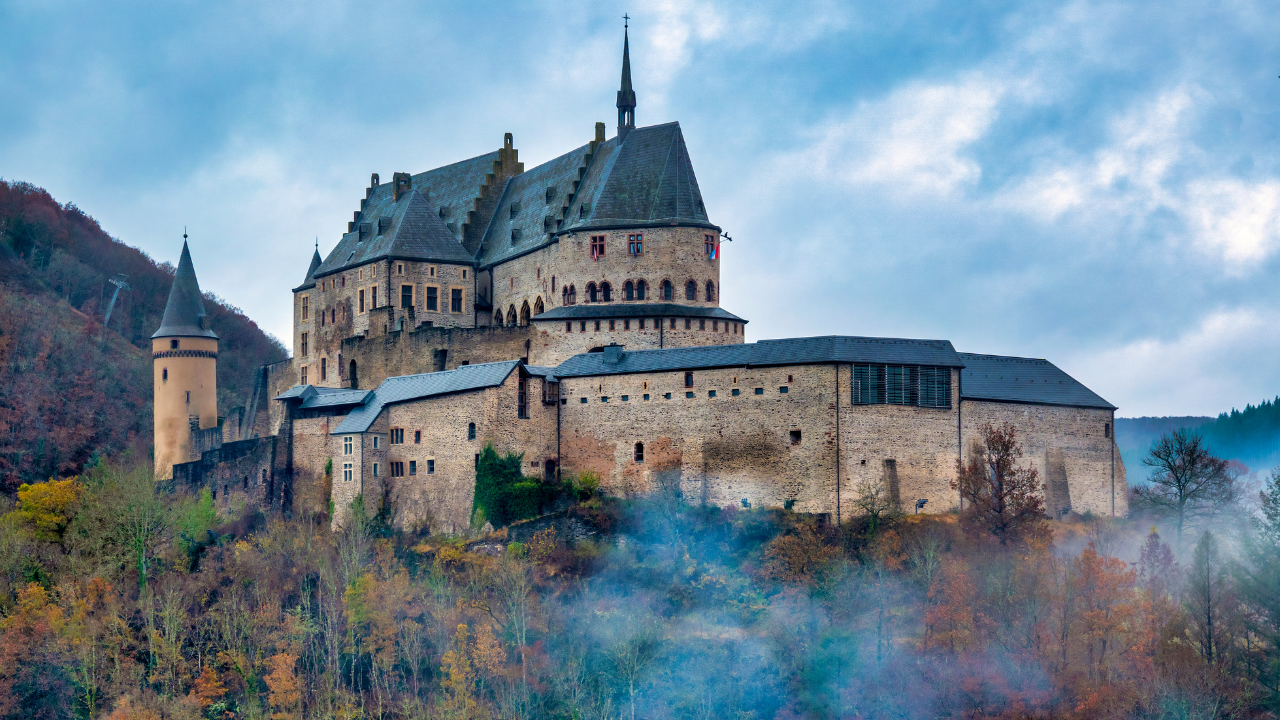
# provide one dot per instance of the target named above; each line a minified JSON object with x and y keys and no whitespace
{"x":185,"y":353}
{"x":626,"y":96}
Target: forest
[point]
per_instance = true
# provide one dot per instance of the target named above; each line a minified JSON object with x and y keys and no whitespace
{"x":70,"y":389}
{"x":120,"y":601}
{"x":1250,"y":436}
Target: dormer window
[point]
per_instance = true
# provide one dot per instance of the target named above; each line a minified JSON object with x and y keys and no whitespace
{"x":548,"y":223}
{"x":551,"y":194}
{"x":365,"y":230}
{"x":384,"y":224}
{"x":515,"y":235}
{"x":444,"y":212}
{"x":583,"y":210}
{"x":515,"y":208}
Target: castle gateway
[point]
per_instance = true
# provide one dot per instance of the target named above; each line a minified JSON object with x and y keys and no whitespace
{"x":571,"y":312}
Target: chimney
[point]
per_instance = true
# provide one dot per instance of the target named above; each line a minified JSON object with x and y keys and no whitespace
{"x":401,"y":183}
{"x":612,"y":354}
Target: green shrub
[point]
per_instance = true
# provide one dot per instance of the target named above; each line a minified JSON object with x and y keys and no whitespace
{"x":503,"y":495}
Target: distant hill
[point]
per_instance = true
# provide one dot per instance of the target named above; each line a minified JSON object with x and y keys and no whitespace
{"x":1251,"y":436}
{"x":69,"y":390}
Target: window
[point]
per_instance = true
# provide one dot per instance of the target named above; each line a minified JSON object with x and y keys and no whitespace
{"x":626,"y":398}
{"x":375,"y":469}
{"x":635,"y":244}
{"x":604,"y":398}
{"x":702,"y":324}
{"x":346,"y":445}
{"x":397,"y":436}
{"x":711,"y":291}
{"x":455,"y":300}
{"x":715,"y":326}
{"x":433,"y":302}
{"x":302,"y":381}
{"x":641,"y":323}
{"x":668,"y":293}
{"x":597,"y":326}
{"x":306,"y":307}
{"x":691,"y":290}
{"x":376,"y":442}
{"x":373,"y":297}
{"x":639,"y":452}
{"x":784,"y":389}
{"x":471,"y":431}
{"x":583,"y":401}
{"x":406,"y":296}
{"x":397,"y":469}
{"x":305,"y":350}
{"x":689,"y":394}
{"x":711,"y":393}
{"x":901,"y":385}
{"x":641,"y":290}
{"x":759,"y":391}
{"x":522,"y":399}
{"x":413,"y":467}
{"x":324,"y":368}
{"x":734,"y":392}
{"x":611,"y":324}
{"x":666,"y":396}
{"x":464,"y":273}
{"x":346,"y":472}
{"x":362,"y":300}
{"x":626,"y":324}
{"x":568,"y":326}
{"x":795,"y":437}
{"x":591,"y":293}
{"x":629,"y":290}
{"x":173,"y":344}
{"x":431,"y":467}
{"x":431,"y":270}
{"x":400,"y":268}
{"x":688,"y":324}
{"x":646,"y":396}
{"x":164,"y":374}
{"x":417,"y":437}
{"x":1106,"y":430}
{"x":597,"y":246}
{"x":582,"y":326}
{"x":688,"y":379}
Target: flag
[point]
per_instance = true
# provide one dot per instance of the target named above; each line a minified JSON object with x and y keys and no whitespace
{"x":715,"y":250}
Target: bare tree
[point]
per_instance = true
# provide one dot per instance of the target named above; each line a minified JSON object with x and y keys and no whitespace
{"x":874,"y":504}
{"x":1000,"y":497}
{"x":1188,"y":482}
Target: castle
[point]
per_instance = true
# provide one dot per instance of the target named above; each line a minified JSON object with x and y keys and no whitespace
{"x":571,"y":313}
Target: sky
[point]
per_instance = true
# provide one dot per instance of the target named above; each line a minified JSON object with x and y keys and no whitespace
{"x":1096,"y":183}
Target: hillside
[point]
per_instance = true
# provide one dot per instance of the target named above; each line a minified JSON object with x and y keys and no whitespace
{"x":69,"y":390}
{"x":1250,"y":436}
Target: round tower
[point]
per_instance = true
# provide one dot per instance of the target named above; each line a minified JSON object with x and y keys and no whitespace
{"x":185,"y":353}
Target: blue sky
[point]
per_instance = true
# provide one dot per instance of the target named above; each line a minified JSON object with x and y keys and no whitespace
{"x":1097,"y":183}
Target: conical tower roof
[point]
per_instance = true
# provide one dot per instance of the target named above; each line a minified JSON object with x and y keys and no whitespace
{"x":184,"y":315}
{"x":310,"y":279}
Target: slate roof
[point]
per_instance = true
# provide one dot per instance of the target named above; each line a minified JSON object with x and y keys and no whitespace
{"x":451,"y":189}
{"x":414,"y":387}
{"x":647,"y":180}
{"x":310,"y":280}
{"x":630,"y":310}
{"x":1024,"y":380}
{"x":184,"y":313}
{"x":795,"y":351}
{"x":318,"y":397}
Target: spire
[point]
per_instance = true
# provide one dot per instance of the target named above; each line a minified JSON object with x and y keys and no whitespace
{"x":626,"y":96}
{"x":184,"y":314}
{"x":315,"y":263}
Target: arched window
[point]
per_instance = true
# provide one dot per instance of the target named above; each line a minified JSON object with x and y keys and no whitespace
{"x":640,"y":290}
{"x":564,"y":296}
{"x":606,"y":292}
{"x":511,"y":315}
{"x":537,"y":306}
{"x":711,"y":291}
{"x":497,"y":318}
{"x":351,"y":375}
{"x":639,"y":452}
{"x":471,"y":431}
{"x":573,"y":295}
{"x":629,"y":290}
{"x":591,"y":293}
{"x":524,"y":313}
{"x":691,"y":290}
{"x":667,"y":291}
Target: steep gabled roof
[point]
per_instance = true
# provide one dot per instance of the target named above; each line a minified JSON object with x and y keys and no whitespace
{"x":1023,"y":380}
{"x":184,"y":313}
{"x":310,"y":280}
{"x":793,"y":351}
{"x":526,"y":193}
{"x":450,"y":193}
{"x":415,"y":387}
{"x":413,"y":231}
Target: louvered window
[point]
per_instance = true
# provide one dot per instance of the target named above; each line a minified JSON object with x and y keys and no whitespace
{"x":901,"y":385}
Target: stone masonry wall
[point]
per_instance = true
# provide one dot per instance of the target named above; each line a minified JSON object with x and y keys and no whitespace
{"x":1064,"y":444}
{"x":240,"y":475}
{"x":553,"y":344}
{"x":420,"y":351}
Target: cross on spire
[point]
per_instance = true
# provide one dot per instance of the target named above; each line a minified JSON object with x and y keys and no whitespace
{"x":625,"y":20}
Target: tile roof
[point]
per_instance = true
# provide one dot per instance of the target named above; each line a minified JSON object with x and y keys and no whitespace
{"x":629,"y":310}
{"x":795,"y":351}
{"x":1026,"y":380}
{"x":184,"y":313}
{"x":449,"y":193}
{"x":414,"y":387}
{"x":646,"y":180}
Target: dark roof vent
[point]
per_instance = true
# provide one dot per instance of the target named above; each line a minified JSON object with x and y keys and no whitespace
{"x":515,"y":235}
{"x":612,"y":354}
{"x":453,"y":227}
{"x":384,"y":224}
{"x":366,"y":229}
{"x":551,"y":194}
{"x":549,"y":223}
{"x":515,"y":208}
{"x":584,"y":209}
{"x":444,"y":212}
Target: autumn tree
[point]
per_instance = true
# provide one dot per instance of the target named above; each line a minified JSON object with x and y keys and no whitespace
{"x":1187,"y":482}
{"x":1000,"y":497}
{"x":1257,"y":578}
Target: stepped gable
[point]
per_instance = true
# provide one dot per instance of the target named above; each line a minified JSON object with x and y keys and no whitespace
{"x":414,"y":232}
{"x":184,"y":313}
{"x":527,"y":194}
{"x":646,"y":180}
{"x":1023,"y":380}
{"x":415,"y":387}
{"x":792,"y":351}
{"x":449,"y":192}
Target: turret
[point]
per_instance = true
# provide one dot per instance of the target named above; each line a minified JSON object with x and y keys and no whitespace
{"x":626,"y":96}
{"x":185,"y":357}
